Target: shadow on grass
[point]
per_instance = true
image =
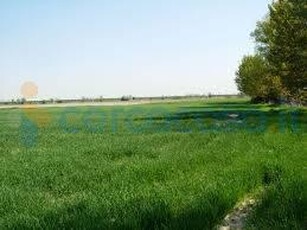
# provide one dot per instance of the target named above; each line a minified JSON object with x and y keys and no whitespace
{"x":283,"y":204}
{"x":228,"y":105}
{"x":137,"y":214}
{"x":281,"y":207}
{"x":233,"y":117}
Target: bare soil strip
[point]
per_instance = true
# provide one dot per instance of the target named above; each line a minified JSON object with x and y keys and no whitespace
{"x":116,"y":103}
{"x":236,"y":219}
{"x":106,"y":103}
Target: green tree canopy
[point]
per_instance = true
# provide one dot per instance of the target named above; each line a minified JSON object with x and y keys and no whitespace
{"x":281,"y":53}
{"x":282,"y":39}
{"x":253,"y":78}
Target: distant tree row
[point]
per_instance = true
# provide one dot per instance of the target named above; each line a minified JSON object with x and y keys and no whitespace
{"x":278,"y":70}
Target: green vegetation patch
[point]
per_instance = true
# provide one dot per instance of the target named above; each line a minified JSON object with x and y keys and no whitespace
{"x":161,"y":166}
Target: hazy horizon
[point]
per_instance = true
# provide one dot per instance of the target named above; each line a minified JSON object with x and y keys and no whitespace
{"x":77,"y":49}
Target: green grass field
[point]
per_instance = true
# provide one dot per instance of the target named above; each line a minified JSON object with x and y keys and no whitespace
{"x":180,"y":165}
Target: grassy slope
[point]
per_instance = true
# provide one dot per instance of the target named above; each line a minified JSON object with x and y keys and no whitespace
{"x":178,"y":166}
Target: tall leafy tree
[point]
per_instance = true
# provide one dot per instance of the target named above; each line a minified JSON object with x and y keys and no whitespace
{"x":282,"y":39}
{"x":250,"y":75}
{"x":253,"y":78}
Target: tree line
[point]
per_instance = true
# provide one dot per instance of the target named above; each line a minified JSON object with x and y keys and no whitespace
{"x":278,"y":70}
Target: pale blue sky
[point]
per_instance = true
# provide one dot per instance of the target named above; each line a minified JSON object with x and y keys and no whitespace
{"x":75,"y":48}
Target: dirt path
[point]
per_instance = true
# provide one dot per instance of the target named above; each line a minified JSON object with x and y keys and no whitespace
{"x":236,"y":219}
{"x":79,"y":104}
{"x":106,"y":103}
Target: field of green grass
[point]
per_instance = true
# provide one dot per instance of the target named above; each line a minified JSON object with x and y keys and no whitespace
{"x":181,"y":165}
